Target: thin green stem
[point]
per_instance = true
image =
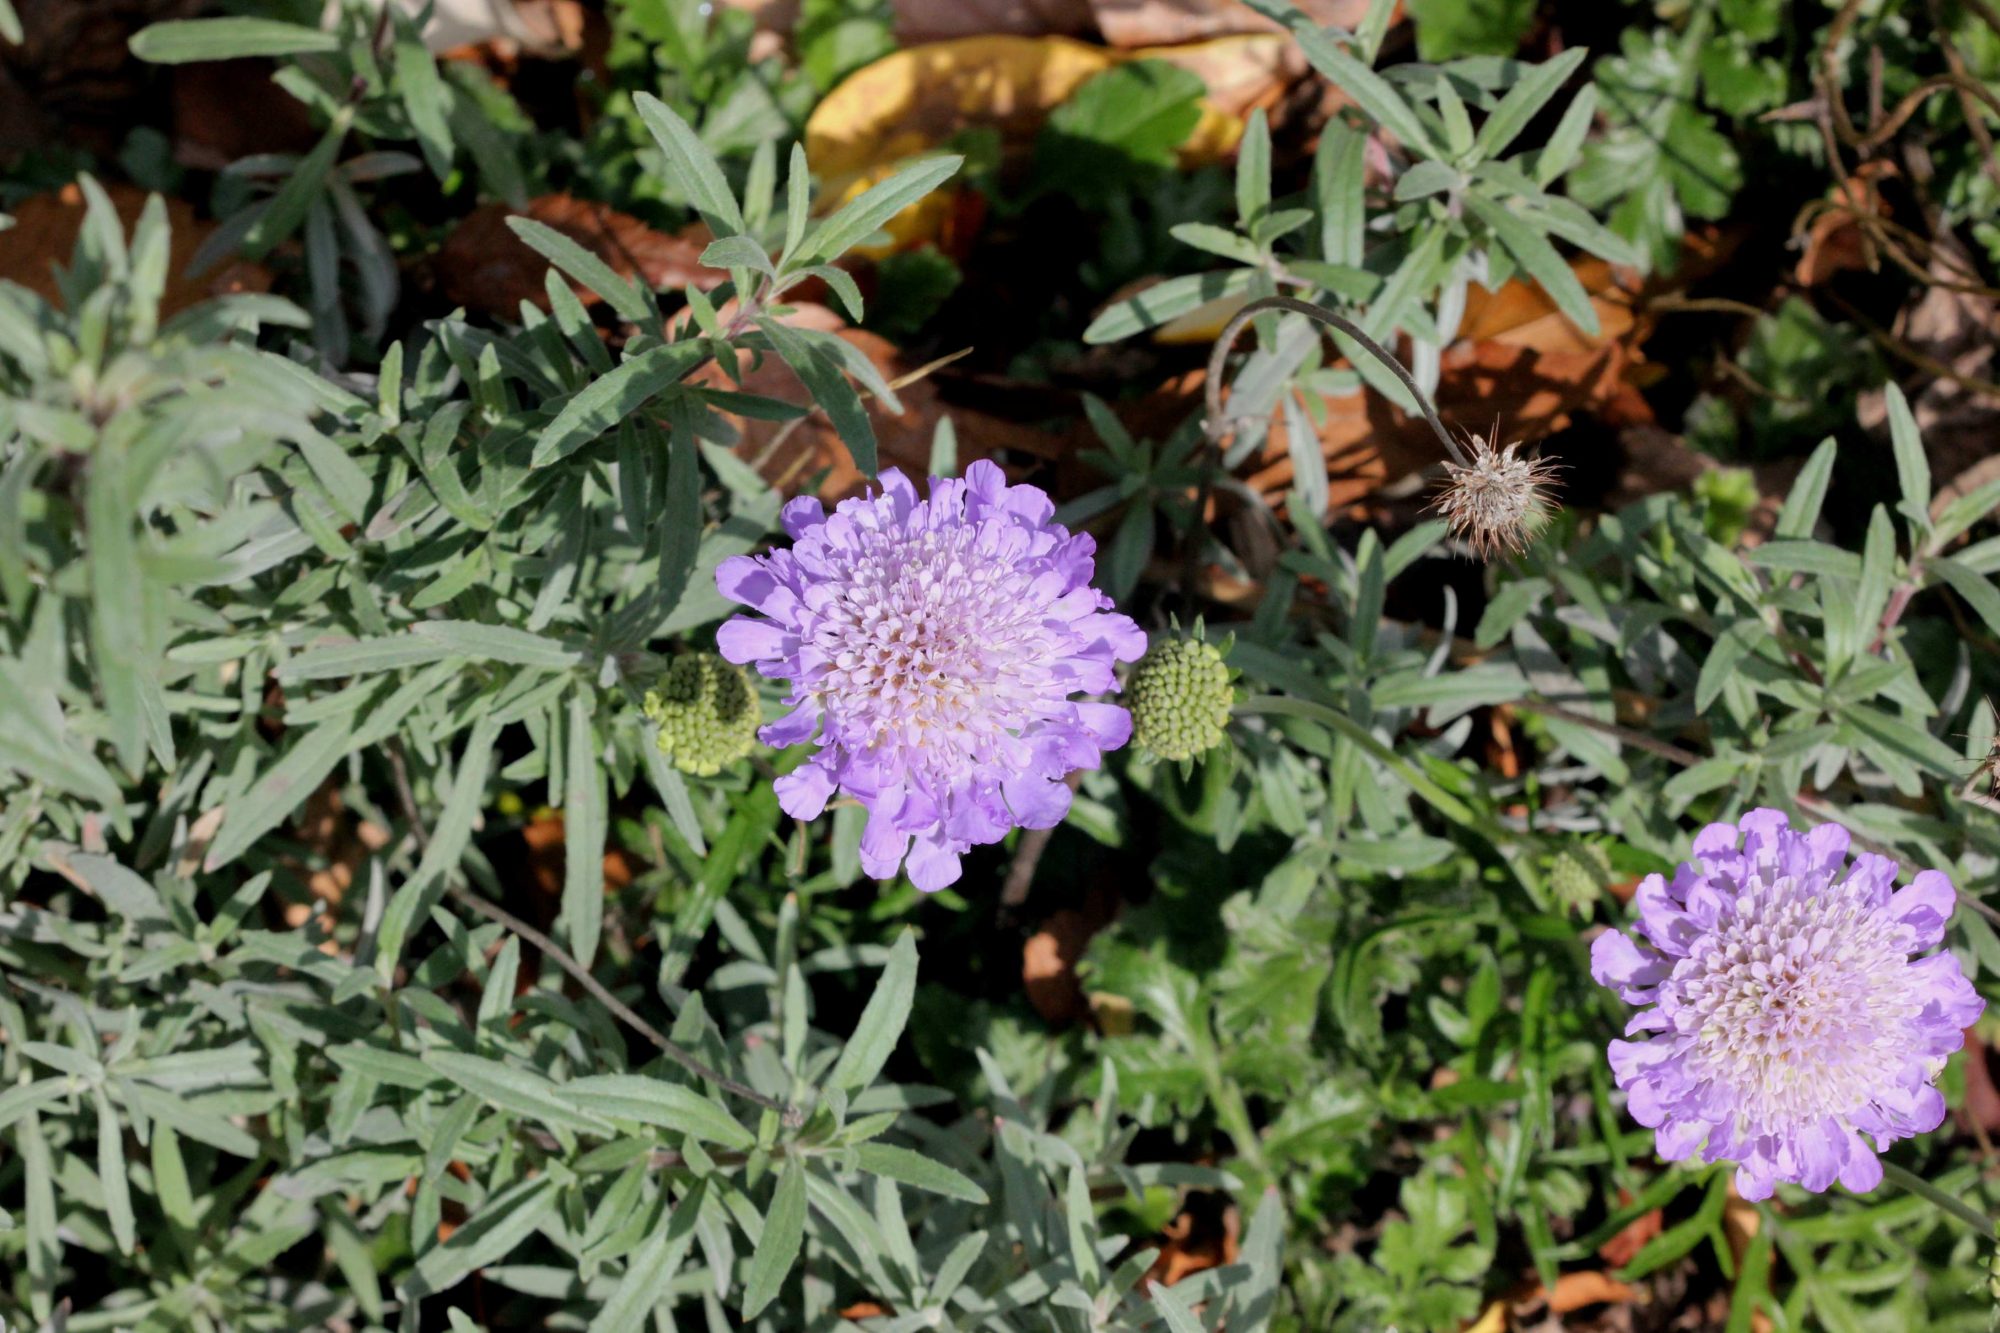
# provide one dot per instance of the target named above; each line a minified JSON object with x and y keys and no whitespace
{"x":1950,"y":1203}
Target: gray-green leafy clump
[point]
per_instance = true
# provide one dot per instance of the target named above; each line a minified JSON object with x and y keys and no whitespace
{"x":707,"y":713}
{"x":1180,"y":697}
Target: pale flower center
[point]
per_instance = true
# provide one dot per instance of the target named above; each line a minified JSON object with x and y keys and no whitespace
{"x":1798,"y":1002}
{"x":934,"y":647}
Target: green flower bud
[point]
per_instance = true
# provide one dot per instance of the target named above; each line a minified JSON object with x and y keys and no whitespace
{"x":1180,"y":697}
{"x":707,"y":712}
{"x":1579,"y":874}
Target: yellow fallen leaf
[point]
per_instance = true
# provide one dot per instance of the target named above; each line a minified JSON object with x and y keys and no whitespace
{"x":916,"y":99}
{"x":1493,"y":1320}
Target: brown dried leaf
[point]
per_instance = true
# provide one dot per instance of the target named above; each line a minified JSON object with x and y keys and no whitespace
{"x":1833,"y":241}
{"x":230,"y":109}
{"x":1621,"y":1248}
{"x":73,"y":77}
{"x":1204,"y":1235}
{"x":483,"y":266}
{"x":45,"y":230}
{"x":1050,"y":955}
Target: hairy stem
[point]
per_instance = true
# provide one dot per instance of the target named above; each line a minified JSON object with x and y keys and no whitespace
{"x":1950,"y":1203}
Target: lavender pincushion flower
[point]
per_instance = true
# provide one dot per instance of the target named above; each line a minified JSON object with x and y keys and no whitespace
{"x":1790,"y":1017}
{"x":934,"y":646}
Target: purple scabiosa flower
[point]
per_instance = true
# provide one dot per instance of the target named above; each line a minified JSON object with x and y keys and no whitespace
{"x":934,"y":645}
{"x":1788,"y":1017}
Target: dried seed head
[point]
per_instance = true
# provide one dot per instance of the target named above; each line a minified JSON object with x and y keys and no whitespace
{"x":1497,"y":500}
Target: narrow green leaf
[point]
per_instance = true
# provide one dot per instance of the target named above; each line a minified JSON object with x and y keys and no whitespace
{"x":651,"y":1268}
{"x":1524,"y":100}
{"x":609,"y":399}
{"x":1369,"y":90}
{"x":424,"y":98}
{"x":1913,"y":468}
{"x":489,"y":1235}
{"x":798,"y":203}
{"x":691,"y":166}
{"x":586,"y":820}
{"x":1253,"y":171}
{"x":1979,"y":593}
{"x":652,"y":1101}
{"x":622,"y":296}
{"x":1081,"y":1219}
{"x":281,"y":790}
{"x":916,"y":1170}
{"x":1802,"y":505}
{"x":778,"y":1246}
{"x":181,"y":41}
{"x":882,"y":1022}
{"x":511,"y":1088}
{"x":122,"y":892}
{"x":1175,"y":1310}
{"x":736,"y":252}
{"x":863,"y":217}
{"x":449,"y":839}
{"x":497,"y":643}
{"x":822,"y":373}
{"x":286,"y":209}
{"x":44,"y":1246}
{"x":111,"y":1174}
{"x":1559,"y":154}
{"x":1167,"y":300}
{"x":1540,"y":261}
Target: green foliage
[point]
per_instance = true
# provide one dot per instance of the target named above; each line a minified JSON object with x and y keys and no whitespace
{"x":261,"y":1075}
{"x":1664,"y":160}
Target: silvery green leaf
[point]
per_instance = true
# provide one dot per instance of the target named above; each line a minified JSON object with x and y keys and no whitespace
{"x":882,"y":1021}
{"x":916,"y":1170}
{"x":184,"y":41}
{"x":691,"y":166}
{"x":778,"y":1244}
{"x":652,"y":1101}
{"x":512,"y":1088}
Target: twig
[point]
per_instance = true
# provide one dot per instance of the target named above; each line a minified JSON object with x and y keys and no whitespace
{"x":492,"y":911}
{"x":1638,"y":740}
{"x":1028,"y":855}
{"x":793,"y":1117}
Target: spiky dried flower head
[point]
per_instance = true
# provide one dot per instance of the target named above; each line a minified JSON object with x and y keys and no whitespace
{"x":1180,"y":697}
{"x":1796,"y":1005}
{"x":1495,"y":501}
{"x":707,"y":713}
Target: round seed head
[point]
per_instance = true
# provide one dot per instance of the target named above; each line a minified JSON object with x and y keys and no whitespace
{"x":1579,"y":874}
{"x":1180,"y":697}
{"x":1497,"y":500}
{"x":707,"y":713}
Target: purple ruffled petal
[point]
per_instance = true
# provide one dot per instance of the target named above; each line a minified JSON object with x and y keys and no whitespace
{"x":934,"y":647}
{"x":1797,"y":1034}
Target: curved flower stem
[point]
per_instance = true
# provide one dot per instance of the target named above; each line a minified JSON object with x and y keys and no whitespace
{"x":1950,"y":1203}
{"x":1215,"y":425}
